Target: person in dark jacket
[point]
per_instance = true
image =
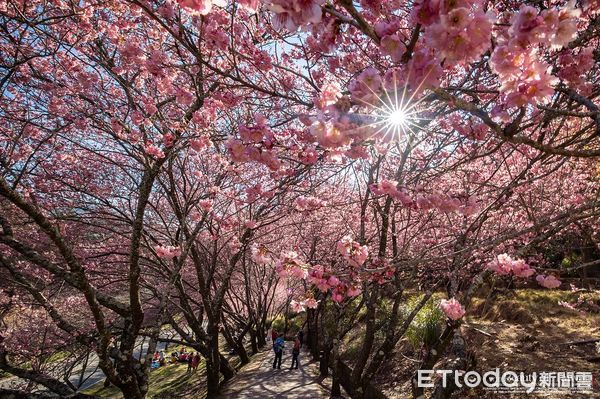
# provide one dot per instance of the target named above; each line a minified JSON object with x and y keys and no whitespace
{"x":190,"y":361}
{"x":295,"y":353}
{"x":278,"y":347}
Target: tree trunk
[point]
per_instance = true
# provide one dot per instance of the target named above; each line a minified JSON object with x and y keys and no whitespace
{"x":16,"y":394}
{"x":242,"y":353}
{"x":393,"y":335}
{"x":324,"y":360}
{"x":368,"y":340}
{"x":336,"y":390}
{"x":313,"y":333}
{"x":131,"y":392}
{"x":431,"y":357}
{"x":213,"y":362}
{"x":261,"y":337}
{"x":226,"y":368}
{"x":253,"y":342}
{"x":212,"y":379}
{"x":286,"y":317}
{"x":460,"y":360}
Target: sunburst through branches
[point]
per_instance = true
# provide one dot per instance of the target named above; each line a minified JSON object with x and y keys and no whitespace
{"x":395,"y":112}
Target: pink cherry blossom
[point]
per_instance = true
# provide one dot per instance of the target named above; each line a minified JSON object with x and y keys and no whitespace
{"x":255,"y":133}
{"x":548,"y":281}
{"x":461,"y":36}
{"x":504,"y":264}
{"x":260,"y":255}
{"x":385,"y":28}
{"x":296,"y":306}
{"x":234,"y":244}
{"x":333,"y":281}
{"x":167,"y":251}
{"x":237,"y":150}
{"x":154,"y":151}
{"x":337,"y":296}
{"x":291,"y":14}
{"x":202,"y":7}
{"x":199,"y":144}
{"x":424,"y":70}
{"x":206,"y":204}
{"x":354,"y":253}
{"x":328,"y":135}
{"x":365,"y":87}
{"x":250,"y":224}
{"x":290,"y":264}
{"x":384,"y":187}
{"x":394,"y":47}
{"x":322,"y":285}
{"x":250,"y":5}
{"x":452,"y":308}
{"x":311,"y":303}
{"x":522,"y":269}
{"x":353,"y":291}
{"x":426,"y":12}
{"x":184,"y":97}
{"x":566,"y":30}
{"x":298,"y":272}
{"x":328,"y":95}
{"x":308,"y":203}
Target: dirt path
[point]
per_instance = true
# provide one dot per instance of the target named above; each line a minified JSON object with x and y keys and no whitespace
{"x":259,"y":380}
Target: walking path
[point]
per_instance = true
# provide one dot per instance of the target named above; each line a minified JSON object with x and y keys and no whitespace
{"x":259,"y":380}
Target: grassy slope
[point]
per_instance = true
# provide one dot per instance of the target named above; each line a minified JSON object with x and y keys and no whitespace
{"x":170,"y":381}
{"x":526,"y":328}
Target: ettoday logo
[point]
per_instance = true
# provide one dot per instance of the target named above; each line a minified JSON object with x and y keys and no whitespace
{"x":509,"y":381}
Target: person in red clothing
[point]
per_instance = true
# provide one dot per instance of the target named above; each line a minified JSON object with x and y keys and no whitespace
{"x":195,"y":361}
{"x":295,"y":353}
{"x":273,"y":335}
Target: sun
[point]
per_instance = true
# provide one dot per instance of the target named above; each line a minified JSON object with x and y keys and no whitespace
{"x":397,"y":118}
{"x":395,"y":113}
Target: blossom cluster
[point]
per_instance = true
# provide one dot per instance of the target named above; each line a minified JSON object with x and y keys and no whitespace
{"x":202,"y":7}
{"x":548,"y":281}
{"x":256,"y":144}
{"x":289,"y":264}
{"x":243,"y":152}
{"x":504,"y":265}
{"x":460,"y":30}
{"x":304,"y":203}
{"x":439,"y":201}
{"x":260,"y":255}
{"x":292,"y":14}
{"x":257,"y":191}
{"x":524,"y":76}
{"x":300,"y":306}
{"x":325,"y":281}
{"x":354,"y":253}
{"x":167,"y":251}
{"x":452,"y":308}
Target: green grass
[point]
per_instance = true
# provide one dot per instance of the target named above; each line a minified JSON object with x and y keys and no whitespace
{"x":427,"y":324}
{"x":170,"y":381}
{"x":58,"y":356}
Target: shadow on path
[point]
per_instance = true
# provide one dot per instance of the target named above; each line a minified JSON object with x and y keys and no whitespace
{"x":259,"y":380}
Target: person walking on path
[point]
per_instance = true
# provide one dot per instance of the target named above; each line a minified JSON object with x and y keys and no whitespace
{"x":273,"y":335}
{"x":278,"y":346}
{"x":296,"y":352}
